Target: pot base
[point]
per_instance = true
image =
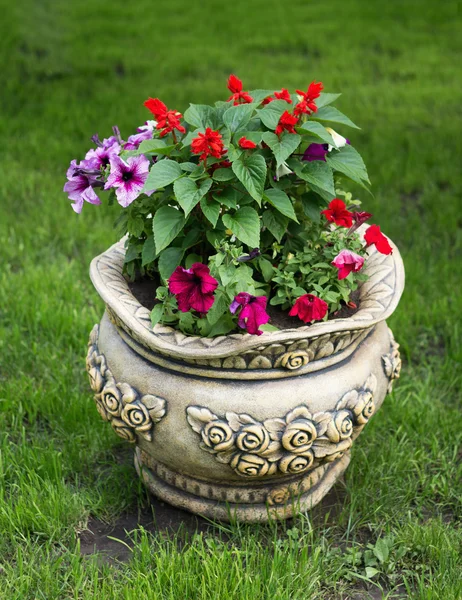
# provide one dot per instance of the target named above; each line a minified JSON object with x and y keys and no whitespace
{"x":282,"y":501}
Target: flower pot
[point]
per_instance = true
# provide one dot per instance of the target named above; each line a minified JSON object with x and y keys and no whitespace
{"x":241,"y":426}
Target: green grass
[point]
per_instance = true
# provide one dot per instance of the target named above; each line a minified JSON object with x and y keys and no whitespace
{"x":70,"y":69}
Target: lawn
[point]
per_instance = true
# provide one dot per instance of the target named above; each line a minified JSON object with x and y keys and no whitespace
{"x":70,"y":69}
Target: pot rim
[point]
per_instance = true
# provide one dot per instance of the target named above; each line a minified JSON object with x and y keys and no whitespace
{"x":378,"y":298}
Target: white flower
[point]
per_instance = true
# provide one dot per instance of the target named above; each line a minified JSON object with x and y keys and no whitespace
{"x":282,"y":170}
{"x":149,"y":126}
{"x":339,"y":140}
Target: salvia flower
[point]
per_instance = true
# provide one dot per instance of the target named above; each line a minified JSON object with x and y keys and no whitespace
{"x":252,"y":312}
{"x":246,"y":144}
{"x":167,"y":120}
{"x":128,"y":178}
{"x":309,"y":308}
{"x":286,"y":123}
{"x":282,"y":95}
{"x":347,"y":262}
{"x":143,"y":133}
{"x":193,"y":288}
{"x":307,"y":99}
{"x":238,"y":96}
{"x":337,"y":213}
{"x":316,"y":152}
{"x":207,"y":144}
{"x":79,"y":186}
{"x":374,"y":236}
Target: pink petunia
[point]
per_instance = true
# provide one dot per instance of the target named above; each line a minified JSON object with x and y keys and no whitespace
{"x":252,"y":312}
{"x":347,"y":262}
{"x":193,"y":288}
{"x":128,"y":178}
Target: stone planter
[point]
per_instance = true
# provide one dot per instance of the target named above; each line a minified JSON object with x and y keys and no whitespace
{"x":241,"y":426}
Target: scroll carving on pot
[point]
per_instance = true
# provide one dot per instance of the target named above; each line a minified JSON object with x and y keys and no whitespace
{"x":130,"y":414}
{"x":290,"y":445}
{"x":392,"y":362}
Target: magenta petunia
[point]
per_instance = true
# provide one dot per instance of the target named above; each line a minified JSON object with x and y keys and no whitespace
{"x":80,"y":184}
{"x":347,"y":262}
{"x":143,"y":133}
{"x":105,"y":150}
{"x":316,"y":152}
{"x":193,"y":288}
{"x":127,"y":178}
{"x":252,"y":312}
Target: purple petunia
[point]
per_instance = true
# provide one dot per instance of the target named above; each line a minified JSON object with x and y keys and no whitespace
{"x":101,"y":156}
{"x":81,"y":181}
{"x":143,"y":133}
{"x":316,"y":152}
{"x":127,"y":178}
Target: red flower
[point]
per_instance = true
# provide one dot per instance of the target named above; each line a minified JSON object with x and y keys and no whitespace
{"x":252,"y":312}
{"x":307,"y":104}
{"x":361,"y":217}
{"x":286,"y":123}
{"x":338,"y":214}
{"x":193,"y":288}
{"x":374,"y":236}
{"x":209,"y":143}
{"x":246,"y":144}
{"x":347,"y":262}
{"x":235,"y":86}
{"x":309,"y":308}
{"x":282,"y":95}
{"x":167,"y":120}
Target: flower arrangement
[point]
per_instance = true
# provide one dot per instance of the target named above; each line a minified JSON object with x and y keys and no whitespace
{"x":237,"y":209}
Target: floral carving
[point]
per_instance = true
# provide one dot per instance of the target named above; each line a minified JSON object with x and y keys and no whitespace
{"x":293,"y":444}
{"x":130,"y":415}
{"x":392,"y":362}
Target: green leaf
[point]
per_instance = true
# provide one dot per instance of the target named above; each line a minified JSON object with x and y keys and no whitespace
{"x":245,"y":225}
{"x":234,"y":153}
{"x":166,"y":225}
{"x":272,"y":112}
{"x":169,"y":259}
{"x":371,"y":572}
{"x":312,"y":205}
{"x":319,"y":131}
{"x":325,"y":98}
{"x":219,"y":307}
{"x":381,"y":550}
{"x":281,"y":201}
{"x":200,"y":115}
{"x":229,"y":197}
{"x":276,"y":223}
{"x":191,"y":259}
{"x":283,"y":146}
{"x":267,"y":269}
{"x":223,"y":175}
{"x":211,"y":210}
{"x":259,"y":95}
{"x":188,"y":194}
{"x":317,"y":173}
{"x":157,"y":313}
{"x":333,"y":115}
{"x":188,"y":166}
{"x":349,"y":162}
{"x":163,"y":173}
{"x":188,"y":138}
{"x":253,"y":136}
{"x":154,"y":147}
{"x":250,"y":169}
{"x":148,"y":254}
{"x":237,"y":117}
{"x":268,"y":327}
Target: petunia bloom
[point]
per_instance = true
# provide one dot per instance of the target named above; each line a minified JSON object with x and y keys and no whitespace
{"x":347,"y":262}
{"x":309,"y":308}
{"x":143,"y":133}
{"x":246,"y":144}
{"x":101,"y":156}
{"x":307,"y":99}
{"x":339,"y":140}
{"x":167,"y":120}
{"x":282,"y":170}
{"x":374,"y":236}
{"x":238,"y":96}
{"x":360,"y":217}
{"x":193,"y":288}
{"x":337,"y":213}
{"x":316,"y":152}
{"x":286,"y":123}
{"x":128,"y":178}
{"x":252,"y":312}
{"x":79,"y":186}
{"x":207,"y":144}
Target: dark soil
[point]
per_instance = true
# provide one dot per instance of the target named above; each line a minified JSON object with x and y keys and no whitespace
{"x":144,"y":290}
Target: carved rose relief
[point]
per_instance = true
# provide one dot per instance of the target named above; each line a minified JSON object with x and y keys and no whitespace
{"x":129,"y":414}
{"x":293,"y":444}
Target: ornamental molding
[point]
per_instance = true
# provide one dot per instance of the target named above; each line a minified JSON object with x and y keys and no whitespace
{"x":131,"y":415}
{"x":290,"y":445}
{"x":392,"y":362}
{"x":378,"y":297}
